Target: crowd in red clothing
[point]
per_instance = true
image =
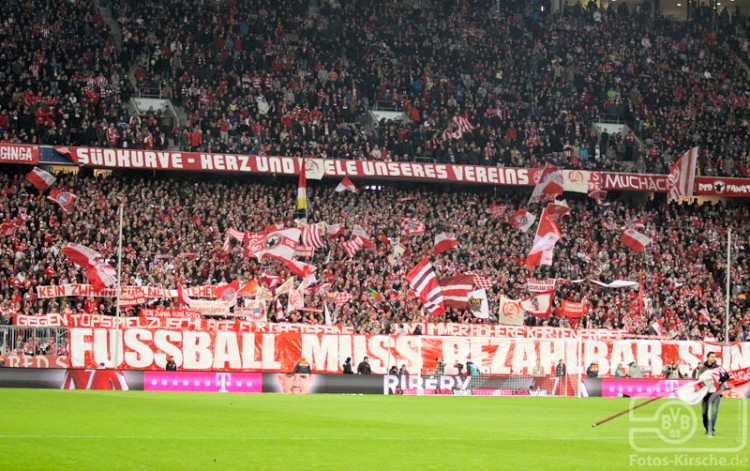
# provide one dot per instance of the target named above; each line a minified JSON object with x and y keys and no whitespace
{"x":296,"y":77}
{"x":174,"y":230}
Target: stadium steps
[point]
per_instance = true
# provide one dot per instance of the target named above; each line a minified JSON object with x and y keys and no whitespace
{"x":115,"y":31}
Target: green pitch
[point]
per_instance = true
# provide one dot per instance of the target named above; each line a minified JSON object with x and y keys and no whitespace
{"x":78,"y":430}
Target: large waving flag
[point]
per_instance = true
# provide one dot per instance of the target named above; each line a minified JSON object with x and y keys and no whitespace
{"x":549,"y":186}
{"x":312,"y":236}
{"x":456,"y":290}
{"x":539,"y":304}
{"x":346,"y":185}
{"x":335,"y":230}
{"x":635,"y":240}
{"x":99,"y":273}
{"x":523,"y":220}
{"x":40,"y":179}
{"x":708,"y":382}
{"x":300,"y":269}
{"x":547,"y":235}
{"x":681,"y":177}
{"x":558,"y":209}
{"x":444,"y":242}
{"x":80,"y":254}
{"x":227,"y":292}
{"x":64,"y":199}
{"x":422,"y":279}
{"x":281,"y":243}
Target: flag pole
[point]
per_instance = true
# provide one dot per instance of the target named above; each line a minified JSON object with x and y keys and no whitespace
{"x":119,"y":288}
{"x":729,"y":277}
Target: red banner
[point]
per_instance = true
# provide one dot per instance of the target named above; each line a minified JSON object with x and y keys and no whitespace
{"x":252,"y":351}
{"x":571,"y":309}
{"x":19,"y":154}
{"x":191,"y":161}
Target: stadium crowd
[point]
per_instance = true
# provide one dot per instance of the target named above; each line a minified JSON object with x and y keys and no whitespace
{"x":174,"y":230}
{"x":296,"y":77}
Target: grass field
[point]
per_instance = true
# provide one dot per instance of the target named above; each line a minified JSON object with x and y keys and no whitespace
{"x":77,"y":430}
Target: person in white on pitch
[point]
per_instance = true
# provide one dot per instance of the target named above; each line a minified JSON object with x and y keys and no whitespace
{"x":711,"y":383}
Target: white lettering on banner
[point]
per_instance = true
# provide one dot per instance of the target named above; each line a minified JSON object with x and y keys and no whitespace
{"x":547,"y":284}
{"x":37,"y":361}
{"x":231,"y":350}
{"x":12,"y":153}
{"x":633,"y":182}
{"x":446,"y":383}
{"x":128,"y":158}
{"x":480,"y":175}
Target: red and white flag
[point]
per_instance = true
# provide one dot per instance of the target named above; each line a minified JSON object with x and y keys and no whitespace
{"x":358,"y":231}
{"x":422,"y":279}
{"x":496,"y":210}
{"x":312,"y":236}
{"x":340,"y":298}
{"x":346,"y":185}
{"x":8,"y":228}
{"x":232,"y":234}
{"x":227,"y":292}
{"x":681,"y":178}
{"x":281,"y":243}
{"x":272,"y":281}
{"x":412,"y":226}
{"x":482,"y":282}
{"x":80,"y":254}
{"x":64,"y":199}
{"x":456,"y":290}
{"x":353,"y":245}
{"x":547,"y":235}
{"x":539,"y":304}
{"x":633,"y":223}
{"x":304,"y":252}
{"x":558,"y":209}
{"x":99,"y":273}
{"x":463,"y":124}
{"x":182,"y":296}
{"x":40,"y":179}
{"x":523,"y":220}
{"x":635,"y":240}
{"x":335,"y":230}
{"x":300,"y":269}
{"x":444,"y":242}
{"x":549,"y":186}
{"x":599,"y":196}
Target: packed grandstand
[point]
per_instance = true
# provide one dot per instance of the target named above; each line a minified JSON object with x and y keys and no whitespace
{"x":484,"y":83}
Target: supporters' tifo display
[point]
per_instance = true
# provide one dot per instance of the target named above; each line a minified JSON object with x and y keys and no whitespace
{"x":370,"y":260}
{"x":273,"y":92}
